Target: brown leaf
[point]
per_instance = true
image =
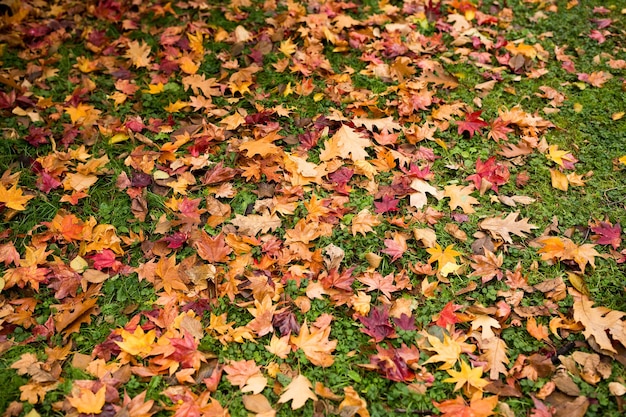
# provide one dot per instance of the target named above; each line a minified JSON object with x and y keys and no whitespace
{"x":500,"y":227}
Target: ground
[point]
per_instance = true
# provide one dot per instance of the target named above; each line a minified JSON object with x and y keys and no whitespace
{"x":312,"y":208}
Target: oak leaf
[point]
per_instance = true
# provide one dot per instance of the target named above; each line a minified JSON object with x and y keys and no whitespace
{"x":253,"y":224}
{"x":299,"y":391}
{"x":598,"y":321}
{"x":504,"y":227}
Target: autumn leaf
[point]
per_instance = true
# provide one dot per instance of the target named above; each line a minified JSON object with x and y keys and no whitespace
{"x":364,"y":222}
{"x":85,"y":401}
{"x":447,"y":351}
{"x":467,"y":377}
{"x":315,"y":345}
{"x":346,"y":143}
{"x":299,"y":391}
{"x":137,"y":343}
{"x":599,"y":322}
{"x":557,"y":248}
{"x":253,"y":224}
{"x":478,"y":407}
{"x":395,"y":247}
{"x":504,"y":227}
{"x":211,"y":249}
{"x":443,"y":257}
{"x":607,"y":234}
{"x":139,"y":53}
{"x":14,"y":197}
{"x":471,"y":124}
{"x":460,"y":197}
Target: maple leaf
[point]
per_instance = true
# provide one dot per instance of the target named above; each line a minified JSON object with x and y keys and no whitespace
{"x":346,"y":143}
{"x":391,"y":365}
{"x":139,"y":54}
{"x":460,"y":197}
{"x":487,"y":266}
{"x":363,"y":222}
{"x":478,"y":407}
{"x":504,"y":227}
{"x":554,"y":247}
{"x":352,"y":404}
{"x":137,"y":406}
{"x":299,"y":391}
{"x":395,"y":247}
{"x":471,"y":123}
{"x":607,"y":234}
{"x":315,"y":345}
{"x":599,"y":320}
{"x":377,"y":324}
{"x":211,"y":249}
{"x":446,"y":351}
{"x":375,"y":281}
{"x":279,"y":346}
{"x":246,"y":374}
{"x":14,"y":197}
{"x":538,"y":331}
{"x":137,"y":343}
{"x":467,"y":376}
{"x":85,"y":401}
{"x":443,"y":257}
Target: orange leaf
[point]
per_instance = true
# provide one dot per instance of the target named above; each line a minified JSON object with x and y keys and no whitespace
{"x":14,"y":198}
{"x":315,"y":345}
{"x":212,"y":249}
{"x":538,"y":331}
{"x":86,"y":402}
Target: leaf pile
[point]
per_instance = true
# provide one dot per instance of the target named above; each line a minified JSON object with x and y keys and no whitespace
{"x":349,"y":208}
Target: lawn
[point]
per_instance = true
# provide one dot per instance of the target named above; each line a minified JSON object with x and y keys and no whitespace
{"x":277,"y":208}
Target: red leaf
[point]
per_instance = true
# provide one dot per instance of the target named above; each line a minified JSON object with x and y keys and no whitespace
{"x":490,"y":170}
{"x":448,"y":315}
{"x":471,"y":124}
{"x":391,"y":365}
{"x":377,"y":324}
{"x":607,"y":234}
{"x":388,"y":204}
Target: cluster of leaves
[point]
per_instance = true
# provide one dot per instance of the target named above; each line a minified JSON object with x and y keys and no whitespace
{"x":216,"y":208}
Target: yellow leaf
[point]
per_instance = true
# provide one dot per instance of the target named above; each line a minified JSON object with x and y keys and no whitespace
{"x":137,"y":343}
{"x":154,"y":88}
{"x":468,"y":376}
{"x":187,"y":65}
{"x":120,"y":137}
{"x":87,"y":402}
{"x":559,"y":180}
{"x":622,"y":159}
{"x":195,"y":43}
{"x":447,"y":351}
{"x":14,"y":198}
{"x":442,"y":257}
{"x":81,"y":112}
{"x":556,"y":155}
{"x":279,"y":346}
{"x":176,"y":107}
{"x":299,"y":391}
{"x":287,"y":47}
